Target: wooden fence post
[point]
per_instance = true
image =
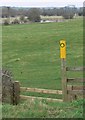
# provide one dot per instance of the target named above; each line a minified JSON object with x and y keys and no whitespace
{"x":16,"y":93}
{"x":64,"y":80}
{"x":63,"y":69}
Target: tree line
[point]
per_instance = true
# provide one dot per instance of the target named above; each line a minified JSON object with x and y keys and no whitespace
{"x":33,"y":14}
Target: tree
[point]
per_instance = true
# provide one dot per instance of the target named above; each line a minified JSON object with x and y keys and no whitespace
{"x":68,"y":13}
{"x":81,"y":11}
{"x":34,"y":15}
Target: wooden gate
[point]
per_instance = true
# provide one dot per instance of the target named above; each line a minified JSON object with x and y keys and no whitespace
{"x":71,"y":91}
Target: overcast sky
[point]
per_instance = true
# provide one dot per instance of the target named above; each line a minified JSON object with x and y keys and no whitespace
{"x":41,"y":3}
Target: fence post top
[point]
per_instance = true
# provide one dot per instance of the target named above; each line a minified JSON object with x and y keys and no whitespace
{"x":62,"y":49}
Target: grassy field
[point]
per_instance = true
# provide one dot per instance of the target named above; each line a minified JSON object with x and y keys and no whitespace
{"x":31,"y":52}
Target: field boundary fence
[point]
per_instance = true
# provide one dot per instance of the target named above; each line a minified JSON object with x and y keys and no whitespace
{"x":68,"y":92}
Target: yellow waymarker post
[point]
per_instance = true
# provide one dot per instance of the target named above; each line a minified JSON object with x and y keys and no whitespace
{"x":62,"y":49}
{"x":63,"y":69}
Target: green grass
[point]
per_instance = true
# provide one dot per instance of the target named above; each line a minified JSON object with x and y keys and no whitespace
{"x":32,"y":53}
{"x":43,"y":109}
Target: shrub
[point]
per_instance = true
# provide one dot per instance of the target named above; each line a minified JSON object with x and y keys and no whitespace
{"x":22,"y":18}
{"x":16,"y":21}
{"x":26,"y":20}
{"x":68,"y":16}
{"x":6,"y":22}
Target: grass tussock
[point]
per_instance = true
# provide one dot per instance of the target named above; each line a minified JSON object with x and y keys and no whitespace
{"x":43,"y":109}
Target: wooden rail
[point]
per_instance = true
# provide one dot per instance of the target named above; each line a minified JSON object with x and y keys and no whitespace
{"x":47,"y":91}
{"x":76,"y":80}
{"x":40,"y":98}
{"x":76,"y":92}
{"x":75,"y":68}
{"x":75,"y":87}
